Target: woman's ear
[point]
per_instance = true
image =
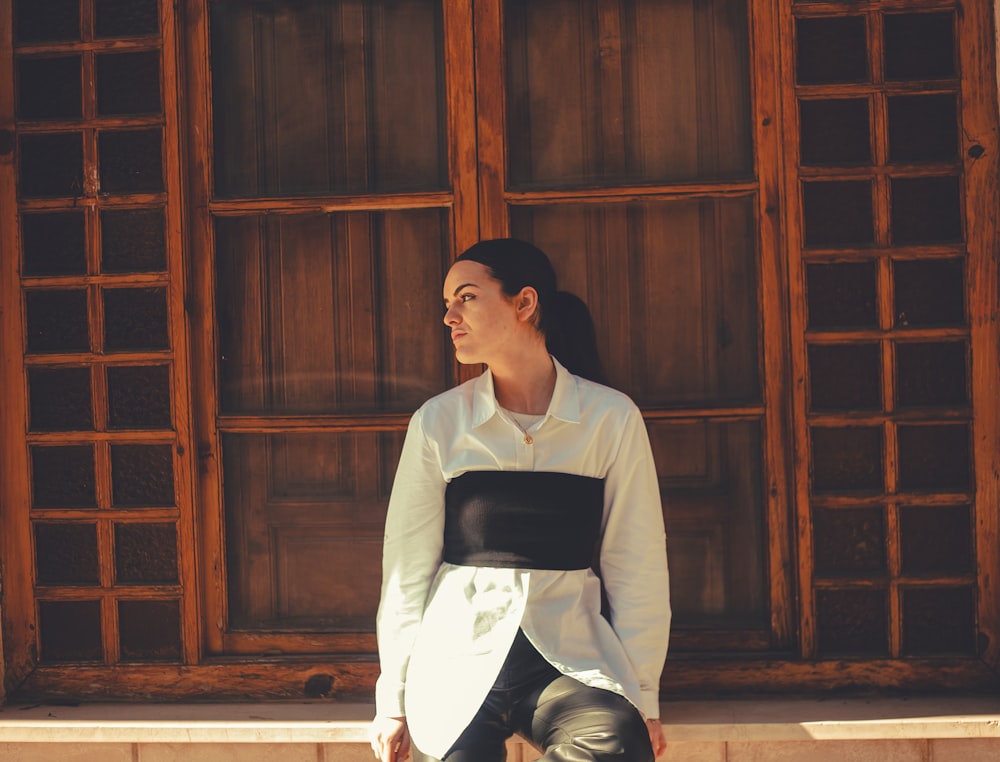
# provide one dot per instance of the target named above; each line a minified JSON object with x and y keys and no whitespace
{"x":526,"y":303}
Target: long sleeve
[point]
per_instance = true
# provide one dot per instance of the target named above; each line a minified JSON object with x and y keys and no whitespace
{"x":634,"y":561}
{"x":414,"y":531}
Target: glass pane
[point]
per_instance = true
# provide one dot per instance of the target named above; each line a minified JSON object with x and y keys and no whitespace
{"x":57,"y":321}
{"x":831,"y":50}
{"x":145,"y":554}
{"x":934,"y":458}
{"x":70,"y":631}
{"x":54,"y":243}
{"x":49,"y":88}
{"x":834,"y":132}
{"x":929,"y":292}
{"x":149,"y":630}
{"x":126,"y":18}
{"x":919,"y":45}
{"x":131,"y":161}
{"x":135,"y":319}
{"x":687,"y":268}
{"x":710,"y":478}
{"x":51,"y":165}
{"x":843,"y":295}
{"x":326,"y":96}
{"x":849,"y":541}
{"x":838,"y":213}
{"x":63,"y":477}
{"x":133,"y":240}
{"x":142,"y":476}
{"x":931,"y":374}
{"x":923,"y":128}
{"x":626,"y":91}
{"x":128,"y":83}
{"x":293,"y":335}
{"x":60,"y":399}
{"x":939,"y":621}
{"x":139,"y":397}
{"x":66,"y":554}
{"x":847,"y":459}
{"x":46,"y":20}
{"x":926,"y":210}
{"x":299,"y":503}
{"x":845,"y":377}
{"x":852,"y":622}
{"x":936,"y":540}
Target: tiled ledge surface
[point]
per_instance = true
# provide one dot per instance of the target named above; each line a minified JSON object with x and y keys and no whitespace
{"x":876,"y":730}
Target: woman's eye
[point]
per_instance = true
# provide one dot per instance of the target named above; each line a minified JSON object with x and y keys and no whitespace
{"x":467,"y":297}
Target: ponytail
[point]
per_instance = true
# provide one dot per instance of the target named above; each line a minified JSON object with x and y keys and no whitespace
{"x":570,"y":336}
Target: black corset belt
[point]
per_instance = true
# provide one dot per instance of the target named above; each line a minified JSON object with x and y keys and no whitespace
{"x":522,"y":519}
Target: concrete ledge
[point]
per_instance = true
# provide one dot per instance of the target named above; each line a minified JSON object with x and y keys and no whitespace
{"x":763,"y":720}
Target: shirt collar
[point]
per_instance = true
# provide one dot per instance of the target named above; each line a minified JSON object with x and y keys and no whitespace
{"x":565,"y":403}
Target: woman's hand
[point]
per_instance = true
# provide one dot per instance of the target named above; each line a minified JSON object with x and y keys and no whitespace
{"x":390,"y":739}
{"x":656,"y":737}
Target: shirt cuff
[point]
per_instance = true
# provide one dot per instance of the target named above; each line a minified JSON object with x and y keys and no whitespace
{"x":389,"y":700}
{"x":650,"y":704}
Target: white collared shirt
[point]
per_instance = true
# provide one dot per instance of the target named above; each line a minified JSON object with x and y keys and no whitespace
{"x":445,"y":630}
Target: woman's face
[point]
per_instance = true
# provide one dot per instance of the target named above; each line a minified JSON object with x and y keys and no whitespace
{"x":486,"y":324}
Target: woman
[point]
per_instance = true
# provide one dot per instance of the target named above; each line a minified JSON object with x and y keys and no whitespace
{"x":509,"y":489}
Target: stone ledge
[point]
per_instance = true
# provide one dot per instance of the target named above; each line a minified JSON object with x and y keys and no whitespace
{"x":730,"y":721}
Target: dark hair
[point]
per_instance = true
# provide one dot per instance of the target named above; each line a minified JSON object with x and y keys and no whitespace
{"x":562,"y":317}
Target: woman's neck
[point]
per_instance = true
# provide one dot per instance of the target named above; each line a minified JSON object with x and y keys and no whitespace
{"x":526,"y":387}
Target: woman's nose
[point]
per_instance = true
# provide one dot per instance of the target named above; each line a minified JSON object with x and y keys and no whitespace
{"x":450,"y":318}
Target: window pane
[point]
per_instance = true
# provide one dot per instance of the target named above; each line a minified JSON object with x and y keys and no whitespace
{"x":135,"y":319}
{"x":939,"y":621}
{"x":831,"y":50}
{"x":70,"y":631}
{"x":60,"y":399}
{"x":687,"y":268}
{"x":936,"y":540}
{"x":149,"y":630}
{"x":710,"y":477}
{"x":847,"y":459}
{"x":852,"y":622}
{"x":142,"y":476}
{"x":324,"y":96}
{"x":923,"y":128}
{"x":128,"y":83}
{"x":126,"y":18}
{"x":139,"y":397}
{"x":46,"y":20}
{"x":51,"y":165}
{"x":133,"y":240}
{"x":845,"y":377}
{"x":849,"y":541}
{"x":843,"y":295}
{"x":63,"y":477}
{"x":834,"y":132}
{"x":626,"y":91}
{"x":926,"y":210}
{"x":131,"y":161}
{"x":934,"y":458}
{"x":931,"y":374}
{"x":49,"y":88}
{"x":57,"y":321}
{"x":66,"y":554}
{"x":919,"y":45}
{"x":929,"y":292}
{"x":297,"y":503}
{"x":54,"y":243}
{"x":838,"y":213}
{"x":297,"y":332}
{"x":145,"y":554}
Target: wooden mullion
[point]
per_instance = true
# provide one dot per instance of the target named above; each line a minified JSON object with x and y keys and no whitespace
{"x":623,"y":193}
{"x":798,"y":354}
{"x":776,"y":295}
{"x":206,"y":569}
{"x":460,"y":89}
{"x":979,"y":147}
{"x":329,"y":204}
{"x":112,"y":514}
{"x":491,"y":93}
